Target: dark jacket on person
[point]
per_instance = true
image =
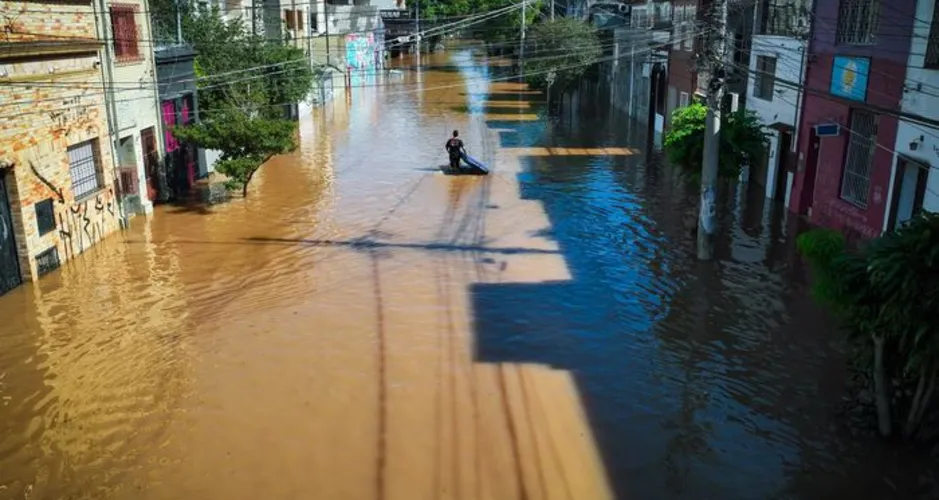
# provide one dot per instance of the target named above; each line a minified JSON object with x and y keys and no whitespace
{"x":454,"y":147}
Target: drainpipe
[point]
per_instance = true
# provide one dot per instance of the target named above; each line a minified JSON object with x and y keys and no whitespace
{"x":158,"y":127}
{"x":107,"y":79}
{"x":803,"y":83}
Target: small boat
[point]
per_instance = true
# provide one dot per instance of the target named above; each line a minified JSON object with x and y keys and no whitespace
{"x":473,"y":166}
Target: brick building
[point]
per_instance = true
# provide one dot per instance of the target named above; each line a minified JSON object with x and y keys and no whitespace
{"x":57,"y":176}
{"x":858,"y":57}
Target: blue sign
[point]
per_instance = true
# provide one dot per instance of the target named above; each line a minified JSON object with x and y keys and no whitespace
{"x":849,"y":77}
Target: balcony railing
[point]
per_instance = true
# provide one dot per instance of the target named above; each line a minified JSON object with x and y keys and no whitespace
{"x":781,"y":18}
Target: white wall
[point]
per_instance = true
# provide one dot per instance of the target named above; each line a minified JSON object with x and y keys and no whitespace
{"x":788,"y":54}
{"x":917,"y":100}
{"x":783,"y":108}
{"x":137,"y":107}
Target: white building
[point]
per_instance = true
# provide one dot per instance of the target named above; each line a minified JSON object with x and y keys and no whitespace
{"x":776,"y":74}
{"x":914,"y":182}
{"x":131,"y":96}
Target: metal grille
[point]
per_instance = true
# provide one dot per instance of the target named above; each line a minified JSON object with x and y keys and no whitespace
{"x":129,"y":180}
{"x":858,"y":21}
{"x":932,"y":45}
{"x":84,"y":169}
{"x":764,"y":81}
{"x":781,"y":17}
{"x":855,"y":185}
{"x":47,"y":261}
{"x":45,"y":216}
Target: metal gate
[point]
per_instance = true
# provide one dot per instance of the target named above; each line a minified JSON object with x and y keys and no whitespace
{"x":9,"y":263}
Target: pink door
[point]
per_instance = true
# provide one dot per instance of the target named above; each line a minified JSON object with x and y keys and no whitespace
{"x":169,"y":121}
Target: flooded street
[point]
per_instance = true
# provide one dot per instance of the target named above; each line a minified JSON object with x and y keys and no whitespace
{"x":364,"y":326}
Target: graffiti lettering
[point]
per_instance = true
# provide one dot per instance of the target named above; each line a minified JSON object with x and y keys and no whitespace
{"x":80,"y":228}
{"x":64,"y":118}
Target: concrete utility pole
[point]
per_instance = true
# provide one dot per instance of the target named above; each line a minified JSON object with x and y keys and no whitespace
{"x":417,"y":24}
{"x":552,"y":10}
{"x":521,"y":43}
{"x":715,"y":51}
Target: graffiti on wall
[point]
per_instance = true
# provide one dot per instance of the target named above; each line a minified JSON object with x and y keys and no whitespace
{"x":85,"y":223}
{"x":361,"y":51}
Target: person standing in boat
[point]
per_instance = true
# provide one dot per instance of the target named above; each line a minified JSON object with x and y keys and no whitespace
{"x":456,"y":149}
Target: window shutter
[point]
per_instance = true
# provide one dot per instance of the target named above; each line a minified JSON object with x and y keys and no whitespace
{"x":116,"y":32}
{"x":299,"y":14}
{"x":133,"y":42}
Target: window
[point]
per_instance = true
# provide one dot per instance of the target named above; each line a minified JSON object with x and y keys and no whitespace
{"x":124,"y":32}
{"x":47,"y":261}
{"x":858,"y":21}
{"x":45,"y":216}
{"x":682,"y":99}
{"x":84,"y":168}
{"x":764,"y":80}
{"x":932,"y":45}
{"x":855,"y":183}
{"x":294,"y":19}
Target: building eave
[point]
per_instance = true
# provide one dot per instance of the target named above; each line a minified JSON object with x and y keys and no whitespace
{"x":48,"y":48}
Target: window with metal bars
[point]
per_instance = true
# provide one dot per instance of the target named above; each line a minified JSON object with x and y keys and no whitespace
{"x":124,"y":32}
{"x":764,"y":80}
{"x":932,"y":45}
{"x":780,"y":17}
{"x":855,"y":181}
{"x":858,"y":22}
{"x":84,"y":168}
{"x":47,"y":261}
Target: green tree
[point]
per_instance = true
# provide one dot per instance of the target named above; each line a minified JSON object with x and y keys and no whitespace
{"x":886,"y":295}
{"x":245,"y":85}
{"x":743,"y":140}
{"x":500,"y":28}
{"x":238,"y":68}
{"x":559,"y":52}
{"x":246,"y":143}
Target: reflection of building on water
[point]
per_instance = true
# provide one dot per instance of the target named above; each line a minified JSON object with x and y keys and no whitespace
{"x":105,"y":369}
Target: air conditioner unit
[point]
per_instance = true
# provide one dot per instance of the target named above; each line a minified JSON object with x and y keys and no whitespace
{"x":828,"y":130}
{"x":734,"y":101}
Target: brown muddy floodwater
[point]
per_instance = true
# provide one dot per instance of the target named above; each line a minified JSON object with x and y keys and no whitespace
{"x":364,"y":326}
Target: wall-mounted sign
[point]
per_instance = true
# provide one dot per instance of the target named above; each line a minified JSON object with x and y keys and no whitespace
{"x":393,"y":14}
{"x":849,"y":77}
{"x":827,"y":129}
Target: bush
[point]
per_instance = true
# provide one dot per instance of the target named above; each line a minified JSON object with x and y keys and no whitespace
{"x":743,"y":139}
{"x":886,"y":295}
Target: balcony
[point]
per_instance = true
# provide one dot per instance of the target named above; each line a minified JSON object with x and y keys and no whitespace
{"x":781,"y":18}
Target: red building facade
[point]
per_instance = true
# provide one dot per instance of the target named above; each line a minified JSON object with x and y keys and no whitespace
{"x":854,"y":83}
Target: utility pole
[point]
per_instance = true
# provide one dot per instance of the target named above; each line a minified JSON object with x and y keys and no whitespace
{"x":417,"y":24}
{"x":716,"y":53}
{"x":179,"y":23}
{"x":552,"y":10}
{"x":521,"y":48}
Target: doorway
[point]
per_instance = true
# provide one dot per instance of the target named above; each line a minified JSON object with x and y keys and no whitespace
{"x":782,"y":166}
{"x":811,"y":170}
{"x":10,"y":276}
{"x":909,"y":190}
{"x":151,"y":161}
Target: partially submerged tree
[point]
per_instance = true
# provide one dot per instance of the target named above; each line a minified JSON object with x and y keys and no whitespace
{"x":743,"y":139}
{"x":245,"y":143}
{"x":245,"y":85}
{"x":886,"y":295}
{"x":559,"y":52}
